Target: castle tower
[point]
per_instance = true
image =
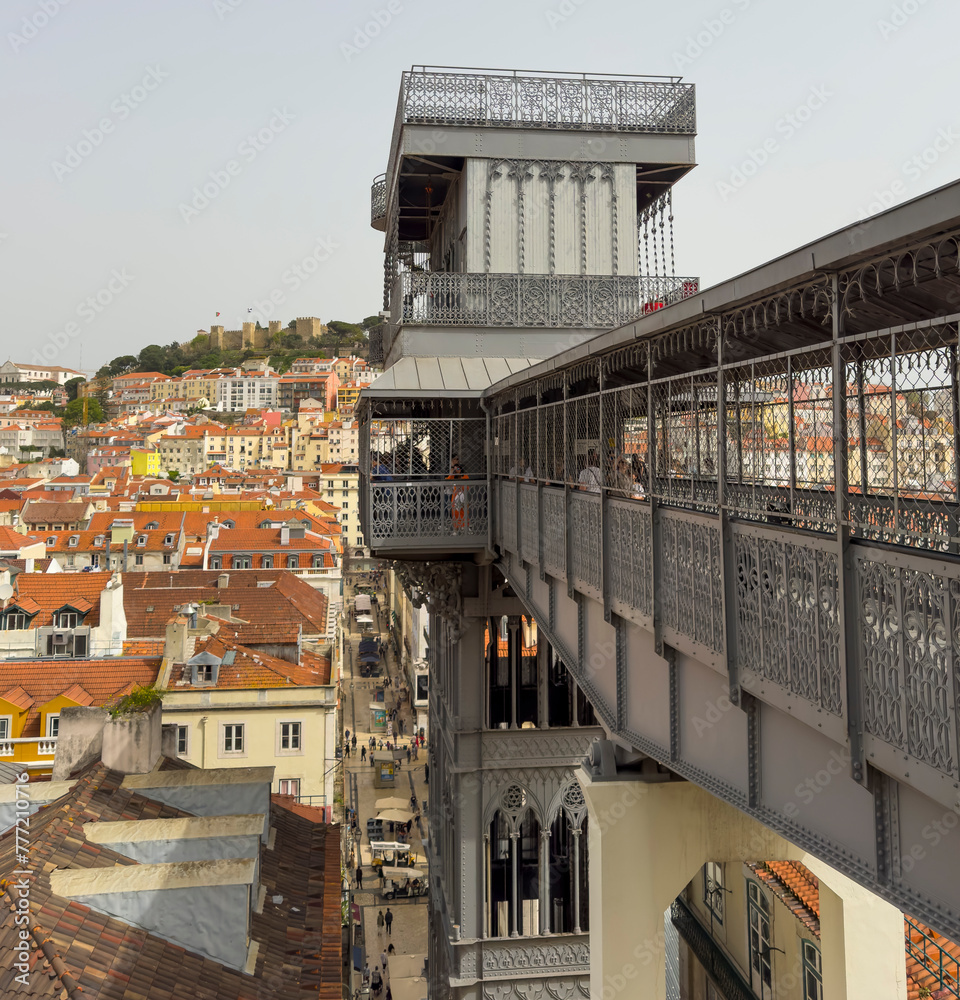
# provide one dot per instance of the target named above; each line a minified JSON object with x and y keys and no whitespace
{"x":309,"y":326}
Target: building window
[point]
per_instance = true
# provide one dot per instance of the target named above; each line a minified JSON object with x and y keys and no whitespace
{"x":65,"y":619}
{"x":713,"y":890}
{"x":267,"y":562}
{"x":141,"y":540}
{"x":293,"y":562}
{"x":15,"y":620}
{"x":204,"y":672}
{"x":6,"y":727}
{"x":53,"y":725}
{"x":290,"y":786}
{"x":290,"y":737}
{"x":215,"y":563}
{"x":233,"y":738}
{"x":138,"y":559}
{"x":241,"y":562}
{"x":183,"y":741}
{"x":760,"y":939}
{"x":812,"y":972}
{"x":167,"y":559}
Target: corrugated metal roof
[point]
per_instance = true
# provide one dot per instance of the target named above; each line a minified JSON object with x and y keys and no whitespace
{"x":445,"y":376}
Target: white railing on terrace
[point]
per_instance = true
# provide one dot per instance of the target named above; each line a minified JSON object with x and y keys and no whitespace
{"x":46,"y":746}
{"x":596,"y":302}
{"x":521,"y":99}
{"x":378,"y":199}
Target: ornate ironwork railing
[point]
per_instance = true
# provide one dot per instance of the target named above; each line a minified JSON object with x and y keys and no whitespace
{"x":424,"y":513}
{"x":501,"y":99}
{"x":930,"y":954}
{"x":378,"y":201}
{"x":597,"y":302}
{"x":722,"y":972}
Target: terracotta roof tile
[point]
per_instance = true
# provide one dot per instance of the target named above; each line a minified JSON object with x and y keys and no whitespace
{"x":51,"y":591}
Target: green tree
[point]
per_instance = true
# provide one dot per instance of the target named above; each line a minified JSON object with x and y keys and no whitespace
{"x":369,"y":322}
{"x":72,"y":387}
{"x":151,"y":359}
{"x":73,"y":413}
{"x":45,"y":405}
{"x":173,"y":475}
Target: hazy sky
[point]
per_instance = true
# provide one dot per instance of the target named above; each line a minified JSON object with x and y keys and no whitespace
{"x":843,"y":95}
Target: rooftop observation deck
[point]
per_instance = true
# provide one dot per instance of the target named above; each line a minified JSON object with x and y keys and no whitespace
{"x":753,"y":496}
{"x":445,"y":114}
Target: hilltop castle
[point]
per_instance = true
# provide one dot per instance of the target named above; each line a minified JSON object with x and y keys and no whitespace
{"x":250,"y":336}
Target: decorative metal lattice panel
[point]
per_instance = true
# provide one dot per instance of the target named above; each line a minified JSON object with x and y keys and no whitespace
{"x":787,"y":612}
{"x":508,"y":514}
{"x":529,"y":525}
{"x":428,"y":511}
{"x":554,"y":529}
{"x":634,"y":104}
{"x":585,"y":541}
{"x":595,"y":302}
{"x":630,"y":545}
{"x":909,"y":629}
{"x":691,"y":594}
{"x":378,"y":199}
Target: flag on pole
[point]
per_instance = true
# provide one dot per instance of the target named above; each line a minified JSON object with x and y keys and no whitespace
{"x":250,"y":309}
{"x":218,"y":314}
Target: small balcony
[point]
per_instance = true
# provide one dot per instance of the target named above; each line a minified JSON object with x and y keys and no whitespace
{"x":424,"y":485}
{"x":378,"y":203}
{"x":593,"y":302}
{"x":428,"y":514}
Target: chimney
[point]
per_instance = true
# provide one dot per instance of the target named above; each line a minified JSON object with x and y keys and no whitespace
{"x":175,"y":641}
{"x":285,"y":534}
{"x":223,"y":581}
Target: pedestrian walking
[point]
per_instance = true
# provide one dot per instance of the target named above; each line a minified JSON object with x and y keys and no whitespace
{"x":416,"y":751}
{"x":380,"y":921}
{"x":383,"y":960}
{"x":346,"y":735}
{"x":353,"y":742}
{"x":376,"y":982}
{"x":388,"y":920}
{"x":359,"y":874}
{"x":363,"y":753}
{"x":409,"y":754}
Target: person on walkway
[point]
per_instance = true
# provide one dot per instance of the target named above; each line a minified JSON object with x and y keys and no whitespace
{"x":416,"y":750}
{"x":359,"y":874}
{"x":353,"y":742}
{"x":363,"y":753}
{"x":366,"y":973}
{"x":376,"y":982}
{"x":346,"y":735}
{"x":380,"y":919}
{"x":388,"y":919}
{"x":383,"y":960}
{"x":409,"y":754}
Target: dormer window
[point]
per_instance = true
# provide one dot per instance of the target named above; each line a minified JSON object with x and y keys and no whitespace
{"x":169,"y":539}
{"x":152,"y":526}
{"x":66,"y":619}
{"x":15,"y":619}
{"x":141,"y":540}
{"x":74,"y":541}
{"x":52,"y":540}
{"x":98,"y":541}
{"x":229,"y":524}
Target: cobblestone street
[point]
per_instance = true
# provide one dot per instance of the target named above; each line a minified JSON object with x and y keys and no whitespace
{"x":409,"y":928}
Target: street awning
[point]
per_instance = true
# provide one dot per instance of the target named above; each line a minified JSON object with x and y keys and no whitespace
{"x":395,"y":816}
{"x":392,"y":802}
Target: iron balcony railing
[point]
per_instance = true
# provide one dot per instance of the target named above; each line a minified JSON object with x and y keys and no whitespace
{"x":718,"y":967}
{"x":929,"y":953}
{"x":378,"y":202}
{"x":596,"y":302}
{"x":520,"y":99}
{"x":427,"y":513}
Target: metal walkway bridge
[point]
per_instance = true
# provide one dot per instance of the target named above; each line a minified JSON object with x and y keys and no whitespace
{"x":737,"y":520}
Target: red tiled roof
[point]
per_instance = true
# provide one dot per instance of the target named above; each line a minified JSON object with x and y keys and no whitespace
{"x":77,"y":952}
{"x":796,"y":887}
{"x":54,"y":513}
{"x":252,"y":669}
{"x":52,"y":591}
{"x":86,"y":682}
